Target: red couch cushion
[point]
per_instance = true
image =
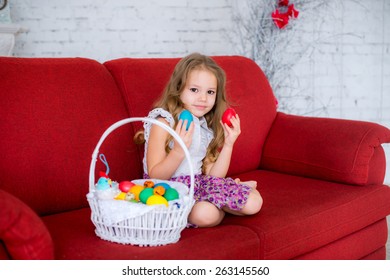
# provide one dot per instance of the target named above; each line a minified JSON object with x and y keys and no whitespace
{"x":142,"y":81}
{"x":22,"y":232}
{"x":300,"y":214}
{"x":74,"y":238}
{"x":330,"y":149}
{"x":53,"y":112}
{"x":360,"y":245}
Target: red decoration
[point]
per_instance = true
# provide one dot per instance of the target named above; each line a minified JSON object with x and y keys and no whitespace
{"x":283,"y":3}
{"x":281,"y":18}
{"x":292,"y":12}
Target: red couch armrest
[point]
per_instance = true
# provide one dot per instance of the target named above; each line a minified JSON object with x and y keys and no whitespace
{"x":23,"y":233}
{"x":329,"y":149}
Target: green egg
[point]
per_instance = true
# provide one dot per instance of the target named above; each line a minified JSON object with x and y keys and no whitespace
{"x":145,"y":194}
{"x":171,"y":194}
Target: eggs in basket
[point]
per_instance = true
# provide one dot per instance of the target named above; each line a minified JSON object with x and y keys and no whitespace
{"x":149,"y":192}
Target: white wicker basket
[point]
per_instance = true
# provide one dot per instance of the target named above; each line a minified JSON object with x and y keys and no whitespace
{"x":157,"y":225}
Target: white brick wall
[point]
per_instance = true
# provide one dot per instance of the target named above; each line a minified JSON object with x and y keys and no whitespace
{"x":346,"y":76}
{"x":109,"y":29}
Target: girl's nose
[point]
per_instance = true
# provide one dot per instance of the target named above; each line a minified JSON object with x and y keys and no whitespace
{"x":203,"y":96}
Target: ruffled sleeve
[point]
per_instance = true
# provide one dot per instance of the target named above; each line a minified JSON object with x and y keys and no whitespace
{"x":154,"y":114}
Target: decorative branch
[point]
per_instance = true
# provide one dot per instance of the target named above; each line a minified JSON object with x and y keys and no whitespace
{"x":4,"y":5}
{"x":268,"y":34}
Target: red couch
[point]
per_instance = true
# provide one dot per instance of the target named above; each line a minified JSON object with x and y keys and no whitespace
{"x":321,"y":179}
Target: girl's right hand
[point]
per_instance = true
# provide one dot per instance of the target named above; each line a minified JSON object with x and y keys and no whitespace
{"x":185,"y":135}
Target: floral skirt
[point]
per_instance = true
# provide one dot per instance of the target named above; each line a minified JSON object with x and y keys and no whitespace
{"x":222,"y":192}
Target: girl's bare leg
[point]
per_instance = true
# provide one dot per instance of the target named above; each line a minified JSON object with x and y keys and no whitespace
{"x":205,"y":214}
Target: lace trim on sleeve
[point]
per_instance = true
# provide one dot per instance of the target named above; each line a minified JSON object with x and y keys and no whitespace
{"x":154,"y":114}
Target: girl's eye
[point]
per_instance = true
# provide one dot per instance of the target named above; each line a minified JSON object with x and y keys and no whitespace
{"x":195,"y":90}
{"x":211,"y":92}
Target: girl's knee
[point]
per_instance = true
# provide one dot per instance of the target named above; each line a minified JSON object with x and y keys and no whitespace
{"x":205,"y":214}
{"x":253,"y":204}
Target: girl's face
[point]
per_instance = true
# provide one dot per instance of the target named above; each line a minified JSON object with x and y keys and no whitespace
{"x":200,"y":92}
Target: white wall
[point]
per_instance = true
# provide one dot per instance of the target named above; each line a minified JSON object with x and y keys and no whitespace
{"x":345,"y":75}
{"x":109,"y":29}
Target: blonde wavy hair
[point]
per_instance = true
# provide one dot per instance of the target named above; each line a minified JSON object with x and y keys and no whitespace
{"x":170,"y":99}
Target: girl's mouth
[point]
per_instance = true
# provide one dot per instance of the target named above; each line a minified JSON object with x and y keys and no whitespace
{"x":200,"y":107}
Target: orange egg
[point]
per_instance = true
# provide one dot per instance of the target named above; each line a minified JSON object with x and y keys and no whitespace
{"x":136,"y":190}
{"x":159,"y":190}
{"x":148,"y":184}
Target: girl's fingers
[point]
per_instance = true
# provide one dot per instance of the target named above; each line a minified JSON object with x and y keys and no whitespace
{"x":185,"y":135}
{"x":179,"y":126}
{"x":191,"y":128}
{"x":225,"y":127}
{"x":235,"y":121}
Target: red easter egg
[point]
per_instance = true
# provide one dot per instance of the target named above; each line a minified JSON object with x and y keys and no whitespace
{"x":227,"y":115}
{"x":125,"y":186}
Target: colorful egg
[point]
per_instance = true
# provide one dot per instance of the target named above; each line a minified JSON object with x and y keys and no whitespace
{"x":136,"y":190}
{"x":148,"y":184}
{"x":145,"y":194}
{"x":227,"y":115}
{"x":130,"y":197}
{"x":159,"y":190}
{"x":186,"y":115}
{"x":156,"y":199}
{"x":171,"y":194}
{"x":121,"y":196}
{"x":165,"y":185}
{"x":125,"y":186}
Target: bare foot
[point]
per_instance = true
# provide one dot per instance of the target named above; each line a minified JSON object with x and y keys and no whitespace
{"x":251,"y":184}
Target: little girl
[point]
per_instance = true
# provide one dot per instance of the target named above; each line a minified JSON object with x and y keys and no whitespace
{"x":198,"y":85}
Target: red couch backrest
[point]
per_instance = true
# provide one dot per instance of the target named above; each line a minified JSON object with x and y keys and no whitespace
{"x":141,"y":82}
{"x":52,"y":114}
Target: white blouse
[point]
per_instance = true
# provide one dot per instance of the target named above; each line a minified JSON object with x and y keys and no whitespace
{"x":201,"y":139}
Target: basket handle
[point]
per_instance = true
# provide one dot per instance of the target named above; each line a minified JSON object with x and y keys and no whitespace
{"x":130,"y":120}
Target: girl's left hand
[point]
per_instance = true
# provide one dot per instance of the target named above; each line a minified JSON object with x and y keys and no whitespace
{"x":232,"y":133}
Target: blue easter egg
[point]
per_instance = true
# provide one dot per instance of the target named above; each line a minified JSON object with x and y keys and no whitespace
{"x":186,"y":115}
{"x":164,"y":185}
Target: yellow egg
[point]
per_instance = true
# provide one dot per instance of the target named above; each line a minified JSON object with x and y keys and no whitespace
{"x":121,"y":196}
{"x":136,"y":190}
{"x":156,"y":199}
